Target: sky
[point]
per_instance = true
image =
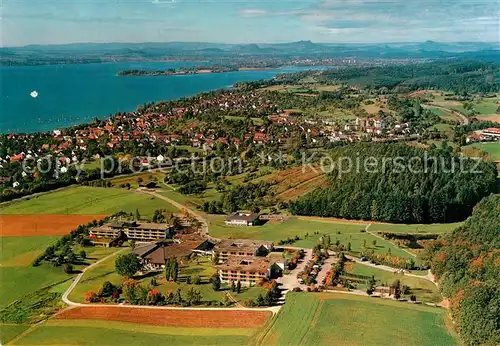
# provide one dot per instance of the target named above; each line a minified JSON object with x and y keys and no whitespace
{"x":24,"y":22}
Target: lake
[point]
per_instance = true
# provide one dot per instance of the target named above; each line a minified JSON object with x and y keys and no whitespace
{"x":75,"y":94}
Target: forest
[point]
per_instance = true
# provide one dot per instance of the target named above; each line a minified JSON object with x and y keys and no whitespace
{"x":395,"y":183}
{"x":459,"y":76}
{"x":467,"y":263}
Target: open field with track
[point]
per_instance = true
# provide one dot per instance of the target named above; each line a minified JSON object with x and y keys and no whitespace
{"x":343,"y":319}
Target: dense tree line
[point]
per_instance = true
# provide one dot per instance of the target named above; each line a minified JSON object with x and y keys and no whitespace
{"x":248,"y":196}
{"x":457,"y":76}
{"x":467,"y":265}
{"x":408,"y":185}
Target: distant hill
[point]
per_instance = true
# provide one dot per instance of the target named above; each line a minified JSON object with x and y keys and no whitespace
{"x":94,"y":52}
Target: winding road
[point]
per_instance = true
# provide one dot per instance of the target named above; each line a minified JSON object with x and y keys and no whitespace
{"x":204,"y":226}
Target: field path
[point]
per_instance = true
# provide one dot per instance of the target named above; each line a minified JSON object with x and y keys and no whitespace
{"x":462,"y":118}
{"x":376,"y":235}
{"x":203,"y":221}
{"x":428,"y":277}
{"x":79,"y":276}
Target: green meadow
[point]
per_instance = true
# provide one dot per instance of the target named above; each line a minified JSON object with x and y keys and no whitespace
{"x":9,"y":331}
{"x":490,"y":148}
{"x":87,"y":200}
{"x":343,"y":319}
{"x":88,"y":332}
{"x":19,"y":278}
{"x":423,"y":289}
{"x":416,"y":228}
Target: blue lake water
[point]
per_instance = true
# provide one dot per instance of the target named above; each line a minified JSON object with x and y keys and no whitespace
{"x":73,"y":94}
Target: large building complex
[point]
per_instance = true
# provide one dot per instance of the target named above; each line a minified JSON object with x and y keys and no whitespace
{"x":242,"y":248}
{"x":248,"y":271}
{"x":139,"y":231}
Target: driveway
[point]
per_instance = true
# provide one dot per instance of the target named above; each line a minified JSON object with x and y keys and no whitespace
{"x":289,"y":281}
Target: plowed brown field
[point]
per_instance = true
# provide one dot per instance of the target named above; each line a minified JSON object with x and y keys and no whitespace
{"x":173,"y":318}
{"x":47,"y":224}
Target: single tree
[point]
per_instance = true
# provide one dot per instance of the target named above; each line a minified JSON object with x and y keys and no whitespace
{"x":68,"y":268}
{"x":215,"y":258}
{"x":127,"y":265}
{"x":238,"y":287}
{"x":216,"y":282}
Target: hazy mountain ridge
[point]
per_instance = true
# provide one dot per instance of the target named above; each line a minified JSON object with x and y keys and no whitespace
{"x":85,"y":52}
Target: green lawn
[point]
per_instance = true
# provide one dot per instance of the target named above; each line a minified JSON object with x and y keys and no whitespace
{"x":447,"y":128}
{"x":92,"y":279}
{"x":21,"y":251}
{"x":19,"y":278}
{"x":416,"y":228}
{"x":87,"y":200}
{"x":9,"y":331}
{"x":445,"y":115}
{"x":342,"y":319}
{"x":424,"y":290}
{"x":487,"y":105}
{"x":491,"y":148}
{"x":88,"y":332}
{"x":343,"y":231}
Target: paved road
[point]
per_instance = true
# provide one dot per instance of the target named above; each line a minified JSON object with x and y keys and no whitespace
{"x":325,"y":267}
{"x":289,"y":281}
{"x":79,"y":276}
{"x":71,"y":304}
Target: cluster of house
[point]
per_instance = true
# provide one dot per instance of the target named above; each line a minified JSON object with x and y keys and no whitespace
{"x":486,"y":135}
{"x":243,"y":260}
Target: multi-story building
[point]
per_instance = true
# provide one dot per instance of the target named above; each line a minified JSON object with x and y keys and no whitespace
{"x":248,"y":271}
{"x":133,"y":230}
{"x":227,"y":248}
{"x":143,"y":231}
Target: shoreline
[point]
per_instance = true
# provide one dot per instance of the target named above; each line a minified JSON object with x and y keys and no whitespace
{"x":202,"y":70}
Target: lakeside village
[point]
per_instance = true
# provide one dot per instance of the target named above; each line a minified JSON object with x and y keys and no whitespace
{"x":236,"y":262}
{"x":224,"y":121}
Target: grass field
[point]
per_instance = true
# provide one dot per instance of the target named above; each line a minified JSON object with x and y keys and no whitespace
{"x":343,"y":231}
{"x":88,"y":332}
{"x":416,"y":228}
{"x":342,"y":319}
{"x":445,"y":115}
{"x":10,"y":331}
{"x":132,"y":178}
{"x":490,"y":148}
{"x":87,"y":200}
{"x":487,"y":105}
{"x":424,"y":290}
{"x":19,"y":278}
